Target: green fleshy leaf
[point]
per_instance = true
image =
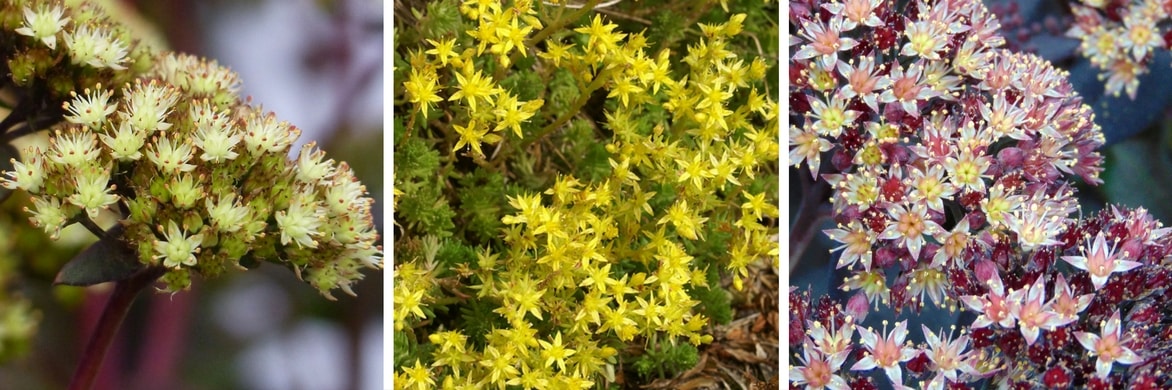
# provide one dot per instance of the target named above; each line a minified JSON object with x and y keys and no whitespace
{"x":109,"y":260}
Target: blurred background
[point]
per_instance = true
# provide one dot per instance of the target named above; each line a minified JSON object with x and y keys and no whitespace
{"x":316,"y":64}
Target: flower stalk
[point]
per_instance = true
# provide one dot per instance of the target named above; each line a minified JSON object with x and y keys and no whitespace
{"x":107,"y":327}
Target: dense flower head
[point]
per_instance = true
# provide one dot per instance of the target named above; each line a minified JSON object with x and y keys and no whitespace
{"x":925,"y":138}
{"x":198,"y":179}
{"x":693,"y":124}
{"x":949,"y":162}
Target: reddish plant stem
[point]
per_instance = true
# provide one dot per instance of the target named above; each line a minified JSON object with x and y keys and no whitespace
{"x":108,"y":324}
{"x":168,"y":324}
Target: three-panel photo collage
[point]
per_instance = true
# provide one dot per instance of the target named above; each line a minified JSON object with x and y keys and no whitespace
{"x":585,"y":194}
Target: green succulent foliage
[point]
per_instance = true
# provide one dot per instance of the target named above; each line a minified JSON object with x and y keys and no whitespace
{"x":563,"y":90}
{"x":423,"y":205}
{"x":482,"y":202}
{"x":453,"y":252}
{"x":715,"y":302}
{"x":526,"y":176}
{"x":575,"y":141}
{"x":415,"y":161}
{"x":666,"y":28}
{"x":525,"y":84}
{"x":441,"y":19}
{"x":477,"y":320}
{"x":664,"y":360}
{"x":665,"y":195}
{"x":595,"y":165}
{"x":407,"y":350}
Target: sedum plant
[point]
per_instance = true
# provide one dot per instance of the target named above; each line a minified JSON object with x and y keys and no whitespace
{"x":195,"y":180}
{"x":951,"y":173}
{"x":594,"y":186}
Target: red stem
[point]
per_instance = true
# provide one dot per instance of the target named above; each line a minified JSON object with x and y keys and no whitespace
{"x":107,"y":328}
{"x":168,"y":325}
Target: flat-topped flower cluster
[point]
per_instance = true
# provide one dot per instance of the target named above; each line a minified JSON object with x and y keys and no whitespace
{"x":198,"y":179}
{"x":950,"y":161}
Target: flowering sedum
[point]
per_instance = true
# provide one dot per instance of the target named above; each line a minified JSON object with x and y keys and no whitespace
{"x":949,"y":162}
{"x":199,"y":180}
{"x":661,"y":192}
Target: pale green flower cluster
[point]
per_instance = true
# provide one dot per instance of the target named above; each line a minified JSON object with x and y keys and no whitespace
{"x":199,"y":180}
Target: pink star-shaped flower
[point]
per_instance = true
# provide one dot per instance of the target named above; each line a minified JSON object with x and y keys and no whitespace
{"x":1109,"y":347}
{"x":886,"y":353}
{"x":1101,"y":261}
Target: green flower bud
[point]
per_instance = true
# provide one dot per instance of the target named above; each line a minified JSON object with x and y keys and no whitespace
{"x":233,"y":246}
{"x":178,"y":279}
{"x":185,"y":191}
{"x":142,"y":209}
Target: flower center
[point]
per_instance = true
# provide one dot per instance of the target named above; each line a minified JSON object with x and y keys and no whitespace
{"x":966,"y":172}
{"x":822,"y":80}
{"x":858,"y":242}
{"x":955,"y":243}
{"x":1099,"y":264}
{"x":905,"y":89}
{"x":997,"y":79}
{"x":818,"y":374}
{"x":922,"y":41}
{"x":1140,"y":34}
{"x":1066,"y":307}
{"x":911,"y":225}
{"x":1000,"y":122}
{"x":833,"y":118}
{"x":862,"y":82}
{"x":1031,"y":315}
{"x":886,"y":353}
{"x":1105,"y":43}
{"x":871,"y":154}
{"x":946,"y":359}
{"x":995,"y":308}
{"x":930,"y":187}
{"x":888,"y":133}
{"x":1109,"y":348}
{"x":826,"y":43}
{"x":867,"y":194}
{"x":1033,"y":233}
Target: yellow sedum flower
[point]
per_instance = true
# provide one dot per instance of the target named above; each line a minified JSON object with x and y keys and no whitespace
{"x":422,"y":90}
